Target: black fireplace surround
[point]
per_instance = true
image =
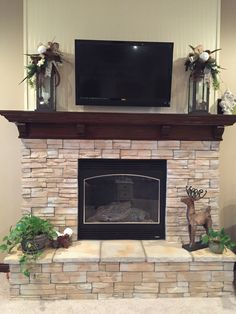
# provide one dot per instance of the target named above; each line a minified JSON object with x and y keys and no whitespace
{"x":121,"y":199}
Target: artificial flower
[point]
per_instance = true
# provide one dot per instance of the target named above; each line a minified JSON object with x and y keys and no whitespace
{"x":201,"y":63}
{"x":42,"y":63}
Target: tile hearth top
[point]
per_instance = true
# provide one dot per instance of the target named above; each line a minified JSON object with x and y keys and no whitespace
{"x":125,"y":251}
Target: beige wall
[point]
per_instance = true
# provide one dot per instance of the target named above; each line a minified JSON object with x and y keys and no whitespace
{"x":228,"y":148}
{"x":11,"y":65}
{"x":183,"y":22}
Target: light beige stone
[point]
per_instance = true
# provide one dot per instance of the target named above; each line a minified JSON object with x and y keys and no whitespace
{"x":68,"y":277}
{"x":169,"y":144}
{"x":146,"y":287}
{"x":102,"y":287}
{"x":135,"y":277}
{"x":159,"y":253}
{"x":66,"y":288}
{"x":41,"y":278}
{"x":112,"y":267}
{"x":77,"y":267}
{"x":146,"y":267}
{"x":103,"y":144}
{"x":80,"y":251}
{"x":18,"y":278}
{"x":222,"y":276}
{"x":82,"y":296}
{"x":143,"y":145}
{"x":54,"y":268}
{"x":207,"y":256}
{"x":194,"y":276}
{"x":171,"y":267}
{"x":162,"y":153}
{"x":105,"y":296}
{"x":123,"y":287}
{"x":122,"y":251}
{"x":121,"y":144}
{"x":54,"y":297}
{"x":110,"y":153}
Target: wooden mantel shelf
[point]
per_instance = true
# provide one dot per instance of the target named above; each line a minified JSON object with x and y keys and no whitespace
{"x":133,"y":126}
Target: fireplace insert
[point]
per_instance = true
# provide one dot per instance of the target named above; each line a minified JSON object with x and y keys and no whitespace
{"x":121,"y":199}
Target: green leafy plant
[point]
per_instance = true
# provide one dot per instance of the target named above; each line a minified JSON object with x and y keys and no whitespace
{"x":220,"y":237}
{"x":26,"y":232}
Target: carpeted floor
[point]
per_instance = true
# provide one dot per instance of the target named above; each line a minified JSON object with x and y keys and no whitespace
{"x":117,"y":306}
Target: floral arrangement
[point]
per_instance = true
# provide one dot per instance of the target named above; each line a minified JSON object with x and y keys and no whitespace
{"x":200,"y":62}
{"x":42,"y":63}
{"x":63,"y":239}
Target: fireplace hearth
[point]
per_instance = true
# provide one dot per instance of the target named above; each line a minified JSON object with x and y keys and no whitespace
{"x":121,"y":199}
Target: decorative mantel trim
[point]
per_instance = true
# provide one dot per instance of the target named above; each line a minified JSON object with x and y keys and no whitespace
{"x":132,"y":126}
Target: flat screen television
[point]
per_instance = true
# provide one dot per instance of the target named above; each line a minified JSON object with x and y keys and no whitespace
{"x":123,"y":73}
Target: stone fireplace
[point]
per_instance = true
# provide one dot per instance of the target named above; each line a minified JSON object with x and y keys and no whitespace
{"x":59,"y":154}
{"x":51,"y":172}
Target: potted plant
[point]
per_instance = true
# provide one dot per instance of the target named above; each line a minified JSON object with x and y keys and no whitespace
{"x":218,"y":241}
{"x":32,"y":233}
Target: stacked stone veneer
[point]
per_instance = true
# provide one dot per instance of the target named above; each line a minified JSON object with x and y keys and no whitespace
{"x":50,"y":170}
{"x":87,"y":270}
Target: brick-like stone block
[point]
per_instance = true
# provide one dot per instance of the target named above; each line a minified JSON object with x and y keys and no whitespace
{"x":82,"y":296}
{"x":52,"y":268}
{"x":70,"y":267}
{"x":18,"y":278}
{"x":112,"y":267}
{"x":194,"y":276}
{"x":141,"y":295}
{"x":102,"y":287}
{"x":37,"y":289}
{"x":136,"y":267}
{"x":146,"y":287}
{"x":135,"y":277}
{"x":168,"y":267}
{"x":41,"y":278}
{"x":107,"y":296}
{"x":68,"y":277}
{"x":123,"y":287}
{"x":103,"y":144}
{"x":222,"y":276}
{"x":121,"y":144}
{"x":205,"y":266}
{"x":229,"y":266}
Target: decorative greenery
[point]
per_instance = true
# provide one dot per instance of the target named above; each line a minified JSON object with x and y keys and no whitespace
{"x":48,"y":56}
{"x":219,"y":236}
{"x":26,"y":229}
{"x":200,"y":62}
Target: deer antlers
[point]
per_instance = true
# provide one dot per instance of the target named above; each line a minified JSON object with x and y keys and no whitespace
{"x":195,"y":194}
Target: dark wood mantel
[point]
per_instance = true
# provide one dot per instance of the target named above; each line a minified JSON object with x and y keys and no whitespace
{"x":134,"y":126}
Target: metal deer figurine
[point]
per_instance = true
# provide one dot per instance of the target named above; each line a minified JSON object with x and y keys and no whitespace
{"x":202,"y":218}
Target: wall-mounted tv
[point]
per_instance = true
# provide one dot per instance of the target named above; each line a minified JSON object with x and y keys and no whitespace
{"x":123,"y":73}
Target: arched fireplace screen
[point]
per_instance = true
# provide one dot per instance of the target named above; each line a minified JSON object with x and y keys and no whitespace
{"x":121,"y":199}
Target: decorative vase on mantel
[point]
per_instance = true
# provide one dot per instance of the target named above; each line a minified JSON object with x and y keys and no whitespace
{"x":198,"y":94}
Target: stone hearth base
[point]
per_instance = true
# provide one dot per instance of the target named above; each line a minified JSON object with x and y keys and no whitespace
{"x":123,"y":269}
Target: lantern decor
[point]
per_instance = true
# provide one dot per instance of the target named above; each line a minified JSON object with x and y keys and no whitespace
{"x":43,"y":75}
{"x":204,"y":72}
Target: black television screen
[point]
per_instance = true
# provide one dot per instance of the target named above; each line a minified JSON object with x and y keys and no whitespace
{"x":123,"y":73}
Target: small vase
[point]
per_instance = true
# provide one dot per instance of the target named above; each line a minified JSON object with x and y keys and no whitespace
{"x":216,"y":247}
{"x":198,"y":94}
